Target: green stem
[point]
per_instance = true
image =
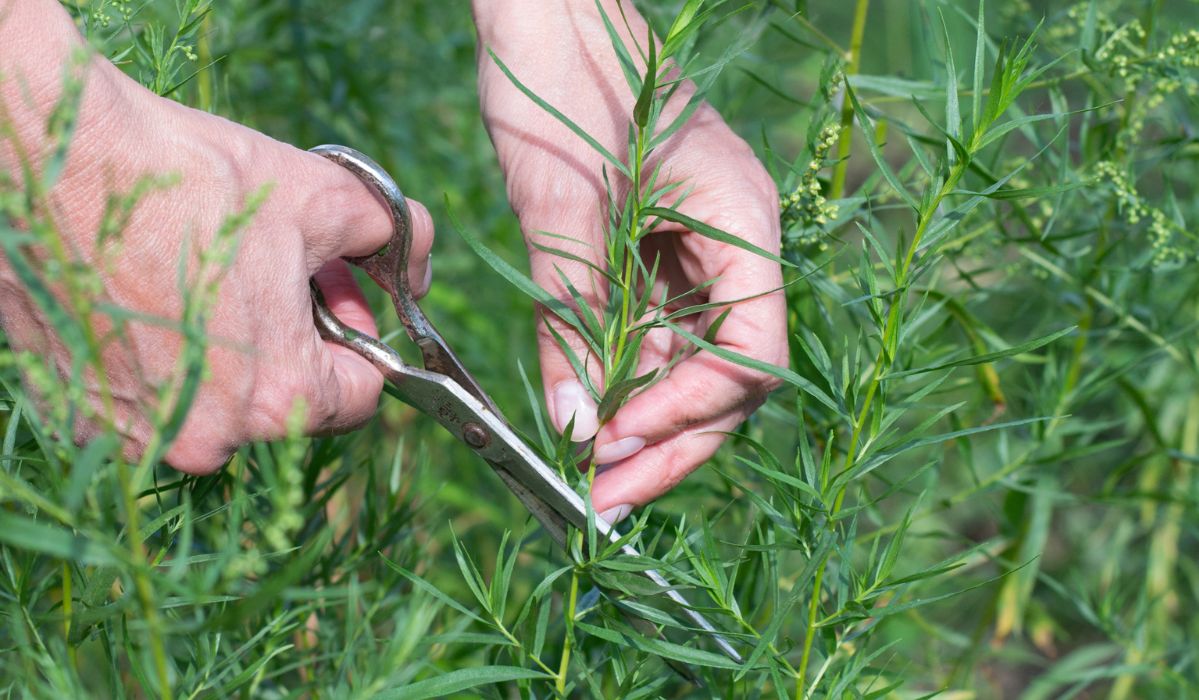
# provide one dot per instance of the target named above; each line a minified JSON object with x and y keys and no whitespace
{"x":204,"y":51}
{"x":626,"y":280}
{"x":816,"y":32}
{"x":845,"y":142}
{"x":571,"y":605}
{"x":67,"y":612}
{"x":515,"y":641}
{"x":886,"y":354}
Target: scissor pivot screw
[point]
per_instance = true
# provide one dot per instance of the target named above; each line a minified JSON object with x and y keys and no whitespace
{"x":475,"y":435}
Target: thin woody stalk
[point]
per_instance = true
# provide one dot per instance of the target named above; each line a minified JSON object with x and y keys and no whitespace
{"x":845,"y":142}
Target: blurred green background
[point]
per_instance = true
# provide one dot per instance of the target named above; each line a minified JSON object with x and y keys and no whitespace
{"x":1074,"y":538}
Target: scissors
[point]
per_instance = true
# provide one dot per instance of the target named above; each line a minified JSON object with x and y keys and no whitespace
{"x":446,"y":391}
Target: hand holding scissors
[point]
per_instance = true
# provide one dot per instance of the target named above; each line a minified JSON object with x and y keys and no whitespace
{"x":444,"y":390}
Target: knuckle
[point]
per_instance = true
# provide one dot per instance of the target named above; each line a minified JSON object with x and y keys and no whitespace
{"x":759,"y":383}
{"x":680,"y":462}
{"x":319,"y":403}
{"x":768,"y":383}
{"x":203,"y":446}
{"x":198,"y":457}
{"x":356,"y":412}
{"x":276,"y":401}
{"x":761,"y":181}
{"x":692,"y":405}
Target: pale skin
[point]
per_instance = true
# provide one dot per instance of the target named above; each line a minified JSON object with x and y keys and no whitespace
{"x":317,"y":212}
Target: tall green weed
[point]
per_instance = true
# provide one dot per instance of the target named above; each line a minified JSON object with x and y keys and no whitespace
{"x":979,"y":479}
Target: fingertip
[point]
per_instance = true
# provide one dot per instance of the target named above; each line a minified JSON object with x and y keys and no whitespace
{"x":570,"y":401}
{"x":615,"y":514}
{"x":613,"y":451}
{"x":420,"y":252}
{"x":656,"y":469}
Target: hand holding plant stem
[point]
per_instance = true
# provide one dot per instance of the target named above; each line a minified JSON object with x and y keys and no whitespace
{"x":624,"y":196}
{"x":187,"y":186}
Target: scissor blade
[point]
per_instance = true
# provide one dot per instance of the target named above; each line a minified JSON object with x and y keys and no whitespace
{"x":535,"y":483}
{"x":538,"y":486}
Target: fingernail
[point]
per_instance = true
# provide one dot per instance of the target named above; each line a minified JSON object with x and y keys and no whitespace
{"x":617,"y":450}
{"x":616,"y":513}
{"x":428,"y":283}
{"x":571,"y":400}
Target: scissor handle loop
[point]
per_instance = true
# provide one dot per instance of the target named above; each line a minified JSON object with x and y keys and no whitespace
{"x":389,"y":269}
{"x":389,"y":266}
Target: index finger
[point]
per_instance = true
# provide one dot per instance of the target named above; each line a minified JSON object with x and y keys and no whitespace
{"x":704,"y":386}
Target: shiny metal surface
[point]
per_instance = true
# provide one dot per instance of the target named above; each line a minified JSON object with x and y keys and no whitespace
{"x":446,"y":391}
{"x":389,"y":269}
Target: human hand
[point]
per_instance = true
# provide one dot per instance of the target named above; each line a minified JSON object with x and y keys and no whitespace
{"x":264,"y":354}
{"x":563,"y":53}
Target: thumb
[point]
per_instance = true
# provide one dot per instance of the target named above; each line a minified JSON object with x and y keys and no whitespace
{"x":351,"y":392}
{"x":569,"y":396}
{"x":570,"y":370}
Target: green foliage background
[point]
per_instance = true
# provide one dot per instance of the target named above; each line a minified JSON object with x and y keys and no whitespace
{"x":1020,"y":506}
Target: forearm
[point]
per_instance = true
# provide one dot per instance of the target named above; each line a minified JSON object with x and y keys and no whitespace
{"x":41,"y":52}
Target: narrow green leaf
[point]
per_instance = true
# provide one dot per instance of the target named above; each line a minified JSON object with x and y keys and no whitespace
{"x":648,"y":85}
{"x":701,"y":90}
{"x":994,"y":133}
{"x":659,"y":647}
{"x":773,"y":370}
{"x":573,"y":358}
{"x":631,"y":76}
{"x":980,"y":68}
{"x":990,"y":356}
{"x":953,"y":116}
{"x":707,"y":231}
{"x":680,"y":34}
{"x":566,"y":121}
{"x":895,"y":87}
{"x":567,"y":255}
{"x":458,"y":681}
{"x":590,"y":320}
{"x":429,"y":588}
{"x":877,"y":460}
{"x":714,"y":329}
{"x":876,"y":153}
{"x":52,"y":541}
{"x":517,"y":278}
{"x":683,"y":18}
{"x":470,"y":573}
{"x":616,"y":395}
{"x":781,"y":477}
{"x":1086,"y":38}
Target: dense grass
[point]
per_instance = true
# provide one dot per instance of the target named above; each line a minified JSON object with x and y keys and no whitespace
{"x":979,"y":480}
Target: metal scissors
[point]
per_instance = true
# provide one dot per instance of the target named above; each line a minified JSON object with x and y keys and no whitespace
{"x":448,"y":393}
